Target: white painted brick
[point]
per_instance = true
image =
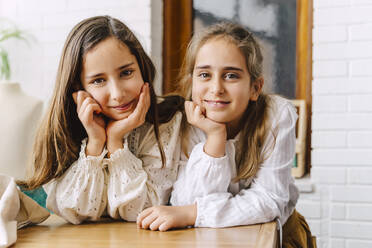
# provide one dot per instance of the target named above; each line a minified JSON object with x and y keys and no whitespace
{"x":334,"y":121}
{"x":361,"y":67}
{"x":361,"y":2}
{"x":330,"y":68}
{"x":25,"y":7}
{"x":127,"y":14}
{"x":342,"y":15}
{"x":8,"y":9}
{"x":328,"y":139}
{"x":330,"y":34}
{"x":309,"y":209}
{"x":338,"y":211}
{"x":358,"y":244}
{"x":328,"y":86}
{"x":322,"y":241}
{"x":53,"y":35}
{"x":329,"y":104}
{"x":356,"y":194}
{"x":361,"y":32}
{"x":360,"y":139}
{"x":30,"y":22}
{"x":53,"y":50}
{"x":65,"y":20}
{"x":360,"y":176}
{"x":351,"y":230}
{"x":326,"y":214}
{"x":341,"y":157}
{"x":324,"y":226}
{"x":315,"y":227}
{"x":108,"y":4}
{"x":328,"y":175}
{"x":360,"y":14}
{"x":314,"y":196}
{"x":331,"y":16}
{"x":360,"y":49}
{"x":360,"y":103}
{"x":338,"y":243}
{"x":359,"y":212}
{"x":330,"y":3}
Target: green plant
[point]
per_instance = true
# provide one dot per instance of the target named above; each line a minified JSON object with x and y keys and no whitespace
{"x":7,"y":33}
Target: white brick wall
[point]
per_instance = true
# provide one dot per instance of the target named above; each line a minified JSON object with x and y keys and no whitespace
{"x":339,"y":210}
{"x":34,"y":66}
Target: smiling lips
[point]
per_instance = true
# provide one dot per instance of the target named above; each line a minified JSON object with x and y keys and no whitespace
{"x":124,"y":106}
{"x":216,"y":103}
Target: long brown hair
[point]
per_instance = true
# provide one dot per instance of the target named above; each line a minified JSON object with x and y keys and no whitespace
{"x":253,"y":124}
{"x":59,"y":136}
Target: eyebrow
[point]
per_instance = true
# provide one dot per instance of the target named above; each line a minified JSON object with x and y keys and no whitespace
{"x":118,"y":69}
{"x":227,"y":68}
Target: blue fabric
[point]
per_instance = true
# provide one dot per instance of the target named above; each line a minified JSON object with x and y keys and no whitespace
{"x":37,"y":195}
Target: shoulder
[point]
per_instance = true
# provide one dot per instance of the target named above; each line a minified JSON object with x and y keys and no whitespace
{"x":173,"y":125}
{"x":166,"y":130}
{"x":281,"y":110}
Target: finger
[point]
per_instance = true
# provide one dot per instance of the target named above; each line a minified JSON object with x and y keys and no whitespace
{"x":188,"y":108}
{"x":165,"y":226}
{"x":88,"y":108}
{"x":88,"y":115}
{"x":148,"y":96}
{"x":156,"y":223}
{"x":74,"y":97}
{"x":80,"y":99}
{"x":84,"y":104}
{"x":149,"y":220}
{"x":143,"y":215}
{"x":143,"y":103}
{"x":140,"y":106}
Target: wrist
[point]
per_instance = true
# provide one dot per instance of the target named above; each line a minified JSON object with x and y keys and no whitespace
{"x":114,"y":144}
{"x":94,"y":147}
{"x":215,"y":145}
{"x":191,"y":211}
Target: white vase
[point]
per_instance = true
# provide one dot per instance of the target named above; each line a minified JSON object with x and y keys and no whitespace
{"x":19,"y":117}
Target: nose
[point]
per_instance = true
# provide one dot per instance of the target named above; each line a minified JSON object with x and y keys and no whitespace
{"x":217,"y":86}
{"x":117,"y":92}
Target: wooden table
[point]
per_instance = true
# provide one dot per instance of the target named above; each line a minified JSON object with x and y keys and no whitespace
{"x":55,"y":232}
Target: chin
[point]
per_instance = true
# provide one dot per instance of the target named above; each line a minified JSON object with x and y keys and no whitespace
{"x":118,"y":117}
{"x":217,"y":117}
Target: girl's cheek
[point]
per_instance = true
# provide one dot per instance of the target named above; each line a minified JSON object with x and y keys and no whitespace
{"x":196,"y":95}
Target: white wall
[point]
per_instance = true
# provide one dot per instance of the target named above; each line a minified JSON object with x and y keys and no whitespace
{"x":35,"y":66}
{"x":340,"y":209}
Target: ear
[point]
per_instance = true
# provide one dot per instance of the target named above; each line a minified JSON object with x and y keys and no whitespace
{"x":256,"y":88}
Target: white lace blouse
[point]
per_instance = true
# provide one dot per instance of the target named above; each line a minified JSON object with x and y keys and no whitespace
{"x":271,"y":194}
{"x":131,"y":180}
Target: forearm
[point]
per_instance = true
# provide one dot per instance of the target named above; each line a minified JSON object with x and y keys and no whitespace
{"x":127,"y":188}
{"x":202,"y":175}
{"x":114,"y":144}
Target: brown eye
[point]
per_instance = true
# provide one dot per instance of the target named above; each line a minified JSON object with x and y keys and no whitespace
{"x":126,"y":73}
{"x":203,"y":75}
{"x":98,"y":81}
{"x":231,"y":75}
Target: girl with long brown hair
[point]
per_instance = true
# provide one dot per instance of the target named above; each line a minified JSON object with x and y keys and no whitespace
{"x":100,"y":148}
{"x":242,"y":143}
